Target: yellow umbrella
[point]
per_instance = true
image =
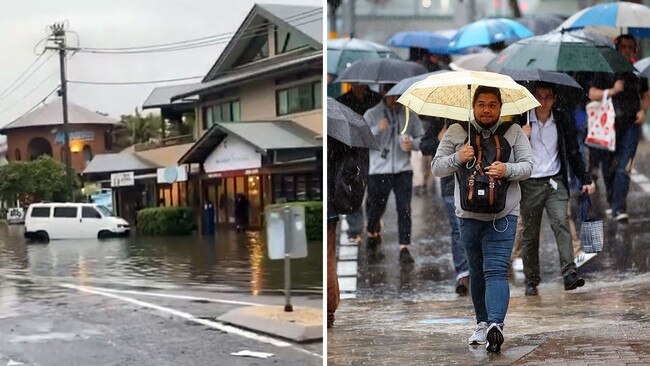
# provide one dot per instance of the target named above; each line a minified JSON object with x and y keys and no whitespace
{"x":449,"y":94}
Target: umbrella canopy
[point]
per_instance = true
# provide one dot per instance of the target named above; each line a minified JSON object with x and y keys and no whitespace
{"x":620,"y":17}
{"x":643,"y":65}
{"x":540,"y":23}
{"x":556,"y":78}
{"x":380,"y":71}
{"x":449,"y":94}
{"x":403,"y":85}
{"x":474,"y":61}
{"x":488,"y":31}
{"x":434,"y":42}
{"x":561,"y":52}
{"x":342,"y":53}
{"x":348,"y":127}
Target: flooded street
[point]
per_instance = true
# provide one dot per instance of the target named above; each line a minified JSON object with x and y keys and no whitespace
{"x":424,"y":321}
{"x":146,"y":297}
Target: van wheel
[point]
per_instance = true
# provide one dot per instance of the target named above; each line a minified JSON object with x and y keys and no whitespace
{"x":42,"y":236}
{"x":104,"y":234}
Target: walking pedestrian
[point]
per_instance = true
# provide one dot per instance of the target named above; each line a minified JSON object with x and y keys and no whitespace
{"x":391,"y":170}
{"x":555,"y":148}
{"x":487,"y":238}
{"x":630,"y":97}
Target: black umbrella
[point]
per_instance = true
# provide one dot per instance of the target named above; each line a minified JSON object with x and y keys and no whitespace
{"x":404,"y":84}
{"x":380,"y":71}
{"x":541,"y":75}
{"x":348,"y":127}
{"x":540,"y":23}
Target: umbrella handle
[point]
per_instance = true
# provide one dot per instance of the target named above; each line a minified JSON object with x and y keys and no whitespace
{"x":469,"y":124}
{"x":406,"y":124}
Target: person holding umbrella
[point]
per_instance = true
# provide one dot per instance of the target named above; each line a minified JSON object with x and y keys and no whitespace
{"x":348,"y":141}
{"x":391,"y":170}
{"x":555,"y":148}
{"x":630,"y":97}
{"x":487,"y":237}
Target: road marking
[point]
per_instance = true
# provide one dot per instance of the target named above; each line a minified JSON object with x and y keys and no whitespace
{"x":187,"y":316}
{"x":181,"y":297}
{"x":641,"y":180}
{"x":346,"y":266}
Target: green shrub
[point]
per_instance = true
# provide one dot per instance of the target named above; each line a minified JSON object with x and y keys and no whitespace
{"x":313,"y":217}
{"x":166,"y":221}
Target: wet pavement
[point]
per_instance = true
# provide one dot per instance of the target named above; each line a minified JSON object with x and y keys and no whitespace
{"x":415,"y":317}
{"x":146,"y":301}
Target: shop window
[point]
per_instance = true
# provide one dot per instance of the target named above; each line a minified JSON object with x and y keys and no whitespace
{"x":300,"y":98}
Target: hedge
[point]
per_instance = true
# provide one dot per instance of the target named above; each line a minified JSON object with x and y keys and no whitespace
{"x":166,"y":221}
{"x":313,"y":217}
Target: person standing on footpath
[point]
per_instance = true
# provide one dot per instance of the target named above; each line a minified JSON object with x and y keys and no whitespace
{"x":487,"y":238}
{"x":555,"y":148}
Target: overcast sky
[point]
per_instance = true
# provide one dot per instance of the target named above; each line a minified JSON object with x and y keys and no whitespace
{"x":110,"y":24}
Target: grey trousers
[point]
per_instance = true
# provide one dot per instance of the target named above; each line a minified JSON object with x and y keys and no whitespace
{"x":537,"y":194}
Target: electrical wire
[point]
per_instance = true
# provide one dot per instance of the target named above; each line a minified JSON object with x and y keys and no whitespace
{"x":201,"y":40}
{"x":27,"y":94}
{"x":132,"y":82}
{"x":10,"y":90}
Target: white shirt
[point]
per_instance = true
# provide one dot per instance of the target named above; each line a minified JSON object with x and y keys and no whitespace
{"x":543,"y":140}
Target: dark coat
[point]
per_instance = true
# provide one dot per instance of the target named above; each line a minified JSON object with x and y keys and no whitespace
{"x":429,"y":144}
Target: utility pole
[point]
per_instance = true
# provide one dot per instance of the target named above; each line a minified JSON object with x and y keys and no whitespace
{"x":348,"y":15}
{"x":58,"y":36}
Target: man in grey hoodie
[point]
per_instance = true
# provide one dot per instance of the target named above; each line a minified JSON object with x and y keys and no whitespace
{"x":487,"y":238}
{"x":390,"y":169}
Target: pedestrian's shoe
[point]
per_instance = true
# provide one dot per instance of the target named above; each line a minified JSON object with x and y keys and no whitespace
{"x":572,"y":281}
{"x":330,"y":320}
{"x":609,"y":212}
{"x":478,"y":337}
{"x":582,"y":258}
{"x":494,"y":337}
{"x":405,"y":258}
{"x":462,"y":286}
{"x":531,"y":290}
{"x":518,"y":264}
{"x":373,"y":242}
{"x":621,"y":216}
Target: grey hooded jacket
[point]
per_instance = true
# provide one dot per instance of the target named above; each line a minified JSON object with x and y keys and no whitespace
{"x":396,"y":160}
{"x":519,"y":166}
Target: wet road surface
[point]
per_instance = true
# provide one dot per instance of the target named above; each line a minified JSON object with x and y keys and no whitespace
{"x":416,"y":315}
{"x":145,"y":301}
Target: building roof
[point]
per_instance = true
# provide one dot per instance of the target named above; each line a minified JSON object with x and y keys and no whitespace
{"x":120,"y":162}
{"x":279,"y":64}
{"x":301,"y":19}
{"x":52,"y":114}
{"x":263,"y":135}
{"x":161,"y":96}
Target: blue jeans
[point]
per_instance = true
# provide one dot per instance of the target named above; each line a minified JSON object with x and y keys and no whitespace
{"x":488,"y":254}
{"x":457,"y":250}
{"x":617,"y":166}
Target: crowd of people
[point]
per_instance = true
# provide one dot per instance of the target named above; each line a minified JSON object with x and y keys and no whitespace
{"x":547,"y":165}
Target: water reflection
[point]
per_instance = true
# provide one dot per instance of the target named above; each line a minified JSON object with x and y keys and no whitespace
{"x":228,"y":262}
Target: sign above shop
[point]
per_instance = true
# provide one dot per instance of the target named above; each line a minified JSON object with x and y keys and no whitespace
{"x":233,"y":153}
{"x":122,"y":179}
{"x":75,"y":136}
{"x":172,"y":174}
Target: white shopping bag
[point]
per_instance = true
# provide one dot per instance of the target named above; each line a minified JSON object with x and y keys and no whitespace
{"x":600,"y":129}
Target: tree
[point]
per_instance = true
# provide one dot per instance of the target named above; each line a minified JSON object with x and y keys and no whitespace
{"x":142,"y":129}
{"x":514,"y":6}
{"x":43,"y":179}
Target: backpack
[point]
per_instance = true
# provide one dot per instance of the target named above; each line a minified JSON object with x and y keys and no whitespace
{"x":347,"y":174}
{"x":479,"y":192}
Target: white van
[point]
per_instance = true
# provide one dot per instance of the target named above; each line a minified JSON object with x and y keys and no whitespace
{"x":45,"y":221}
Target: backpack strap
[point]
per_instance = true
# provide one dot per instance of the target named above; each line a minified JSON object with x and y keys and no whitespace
{"x":464,"y":126}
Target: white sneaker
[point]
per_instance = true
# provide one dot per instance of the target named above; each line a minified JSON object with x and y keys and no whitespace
{"x":518,"y":264}
{"x":609,"y":212}
{"x":582,"y":258}
{"x":494,"y":336}
{"x":479,"y":335}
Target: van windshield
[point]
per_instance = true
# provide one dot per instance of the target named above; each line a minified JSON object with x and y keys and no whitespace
{"x":105,"y":211}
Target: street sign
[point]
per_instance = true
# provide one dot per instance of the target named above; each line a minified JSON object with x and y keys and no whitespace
{"x":122,"y":179}
{"x":286,"y":232}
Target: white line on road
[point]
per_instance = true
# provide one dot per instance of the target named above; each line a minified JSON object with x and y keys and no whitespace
{"x":641,"y":180}
{"x":181,"y":314}
{"x":181,"y":297}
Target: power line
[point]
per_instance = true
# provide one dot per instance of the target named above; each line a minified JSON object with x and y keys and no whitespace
{"x":206,"y":43}
{"x":131,"y":82}
{"x":39,"y":103}
{"x":28,"y":93}
{"x":22,"y":74}
{"x":293,"y":18}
